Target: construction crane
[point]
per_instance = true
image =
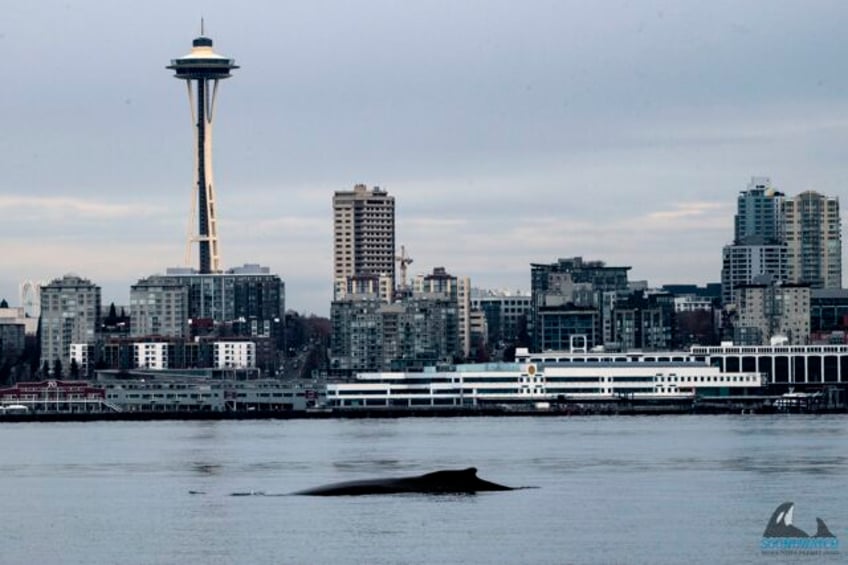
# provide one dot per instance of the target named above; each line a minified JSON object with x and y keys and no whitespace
{"x":404,"y":262}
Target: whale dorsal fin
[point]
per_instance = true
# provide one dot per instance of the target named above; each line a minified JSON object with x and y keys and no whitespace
{"x":821,"y":530}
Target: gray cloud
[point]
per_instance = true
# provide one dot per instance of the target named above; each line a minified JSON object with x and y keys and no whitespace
{"x":508,"y":132}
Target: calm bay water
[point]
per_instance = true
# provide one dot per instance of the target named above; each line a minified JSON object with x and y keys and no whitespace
{"x":611,"y":490}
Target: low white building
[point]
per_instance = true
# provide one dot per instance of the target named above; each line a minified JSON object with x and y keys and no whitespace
{"x":150,"y":355}
{"x":234,"y":354}
{"x":82,"y":354}
{"x":551,"y":376}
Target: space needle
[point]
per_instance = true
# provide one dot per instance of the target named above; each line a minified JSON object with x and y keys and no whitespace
{"x":202,"y":69}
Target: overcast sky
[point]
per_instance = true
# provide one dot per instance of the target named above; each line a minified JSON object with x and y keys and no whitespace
{"x":508,"y":132}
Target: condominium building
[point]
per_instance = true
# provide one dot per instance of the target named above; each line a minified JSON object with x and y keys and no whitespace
{"x":572,"y":297}
{"x":758,"y":246}
{"x":744,"y":264}
{"x":505,"y":313}
{"x":363,"y":235}
{"x":644,"y":320}
{"x":70,"y":313}
{"x":415,"y":332}
{"x":814,"y":240}
{"x":456,"y":289}
{"x":247,"y":300}
{"x":159,"y":307}
{"x":766,"y":311}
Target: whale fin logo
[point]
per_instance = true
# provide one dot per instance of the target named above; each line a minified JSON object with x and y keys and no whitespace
{"x":821,"y":530}
{"x":780,"y":525}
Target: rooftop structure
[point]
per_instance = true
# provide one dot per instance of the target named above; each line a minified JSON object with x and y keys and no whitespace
{"x":758,"y":216}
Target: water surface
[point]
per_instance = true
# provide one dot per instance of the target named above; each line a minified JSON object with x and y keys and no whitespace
{"x":611,"y":489}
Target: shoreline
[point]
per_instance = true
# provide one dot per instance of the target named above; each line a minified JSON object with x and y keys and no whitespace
{"x":390,"y":413}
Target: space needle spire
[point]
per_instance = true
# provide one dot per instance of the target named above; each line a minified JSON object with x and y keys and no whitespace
{"x":202,"y":69}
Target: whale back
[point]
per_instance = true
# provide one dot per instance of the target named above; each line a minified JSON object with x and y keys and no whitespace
{"x":459,"y":481}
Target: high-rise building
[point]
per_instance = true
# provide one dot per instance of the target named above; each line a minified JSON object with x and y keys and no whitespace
{"x":203,"y":68}
{"x":363,"y":235}
{"x":758,"y":246}
{"x":814,"y":240}
{"x":758,"y":214}
{"x":70,"y":314}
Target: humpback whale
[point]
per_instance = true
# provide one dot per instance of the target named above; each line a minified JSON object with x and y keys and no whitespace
{"x":464,"y":481}
{"x":780,"y":525}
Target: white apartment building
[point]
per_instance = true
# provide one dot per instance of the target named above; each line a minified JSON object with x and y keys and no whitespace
{"x":150,"y":356}
{"x":234,"y":354}
{"x":82,"y":355}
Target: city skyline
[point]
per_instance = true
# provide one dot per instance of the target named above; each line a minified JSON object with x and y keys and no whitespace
{"x":507,"y":134}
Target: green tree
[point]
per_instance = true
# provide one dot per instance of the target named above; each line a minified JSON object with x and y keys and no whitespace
{"x":75,"y":370}
{"x":111,"y":319}
{"x":45,"y":369}
{"x":57,"y":369}
{"x":4,"y":304}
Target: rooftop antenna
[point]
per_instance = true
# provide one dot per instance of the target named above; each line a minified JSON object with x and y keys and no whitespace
{"x":201,"y":25}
